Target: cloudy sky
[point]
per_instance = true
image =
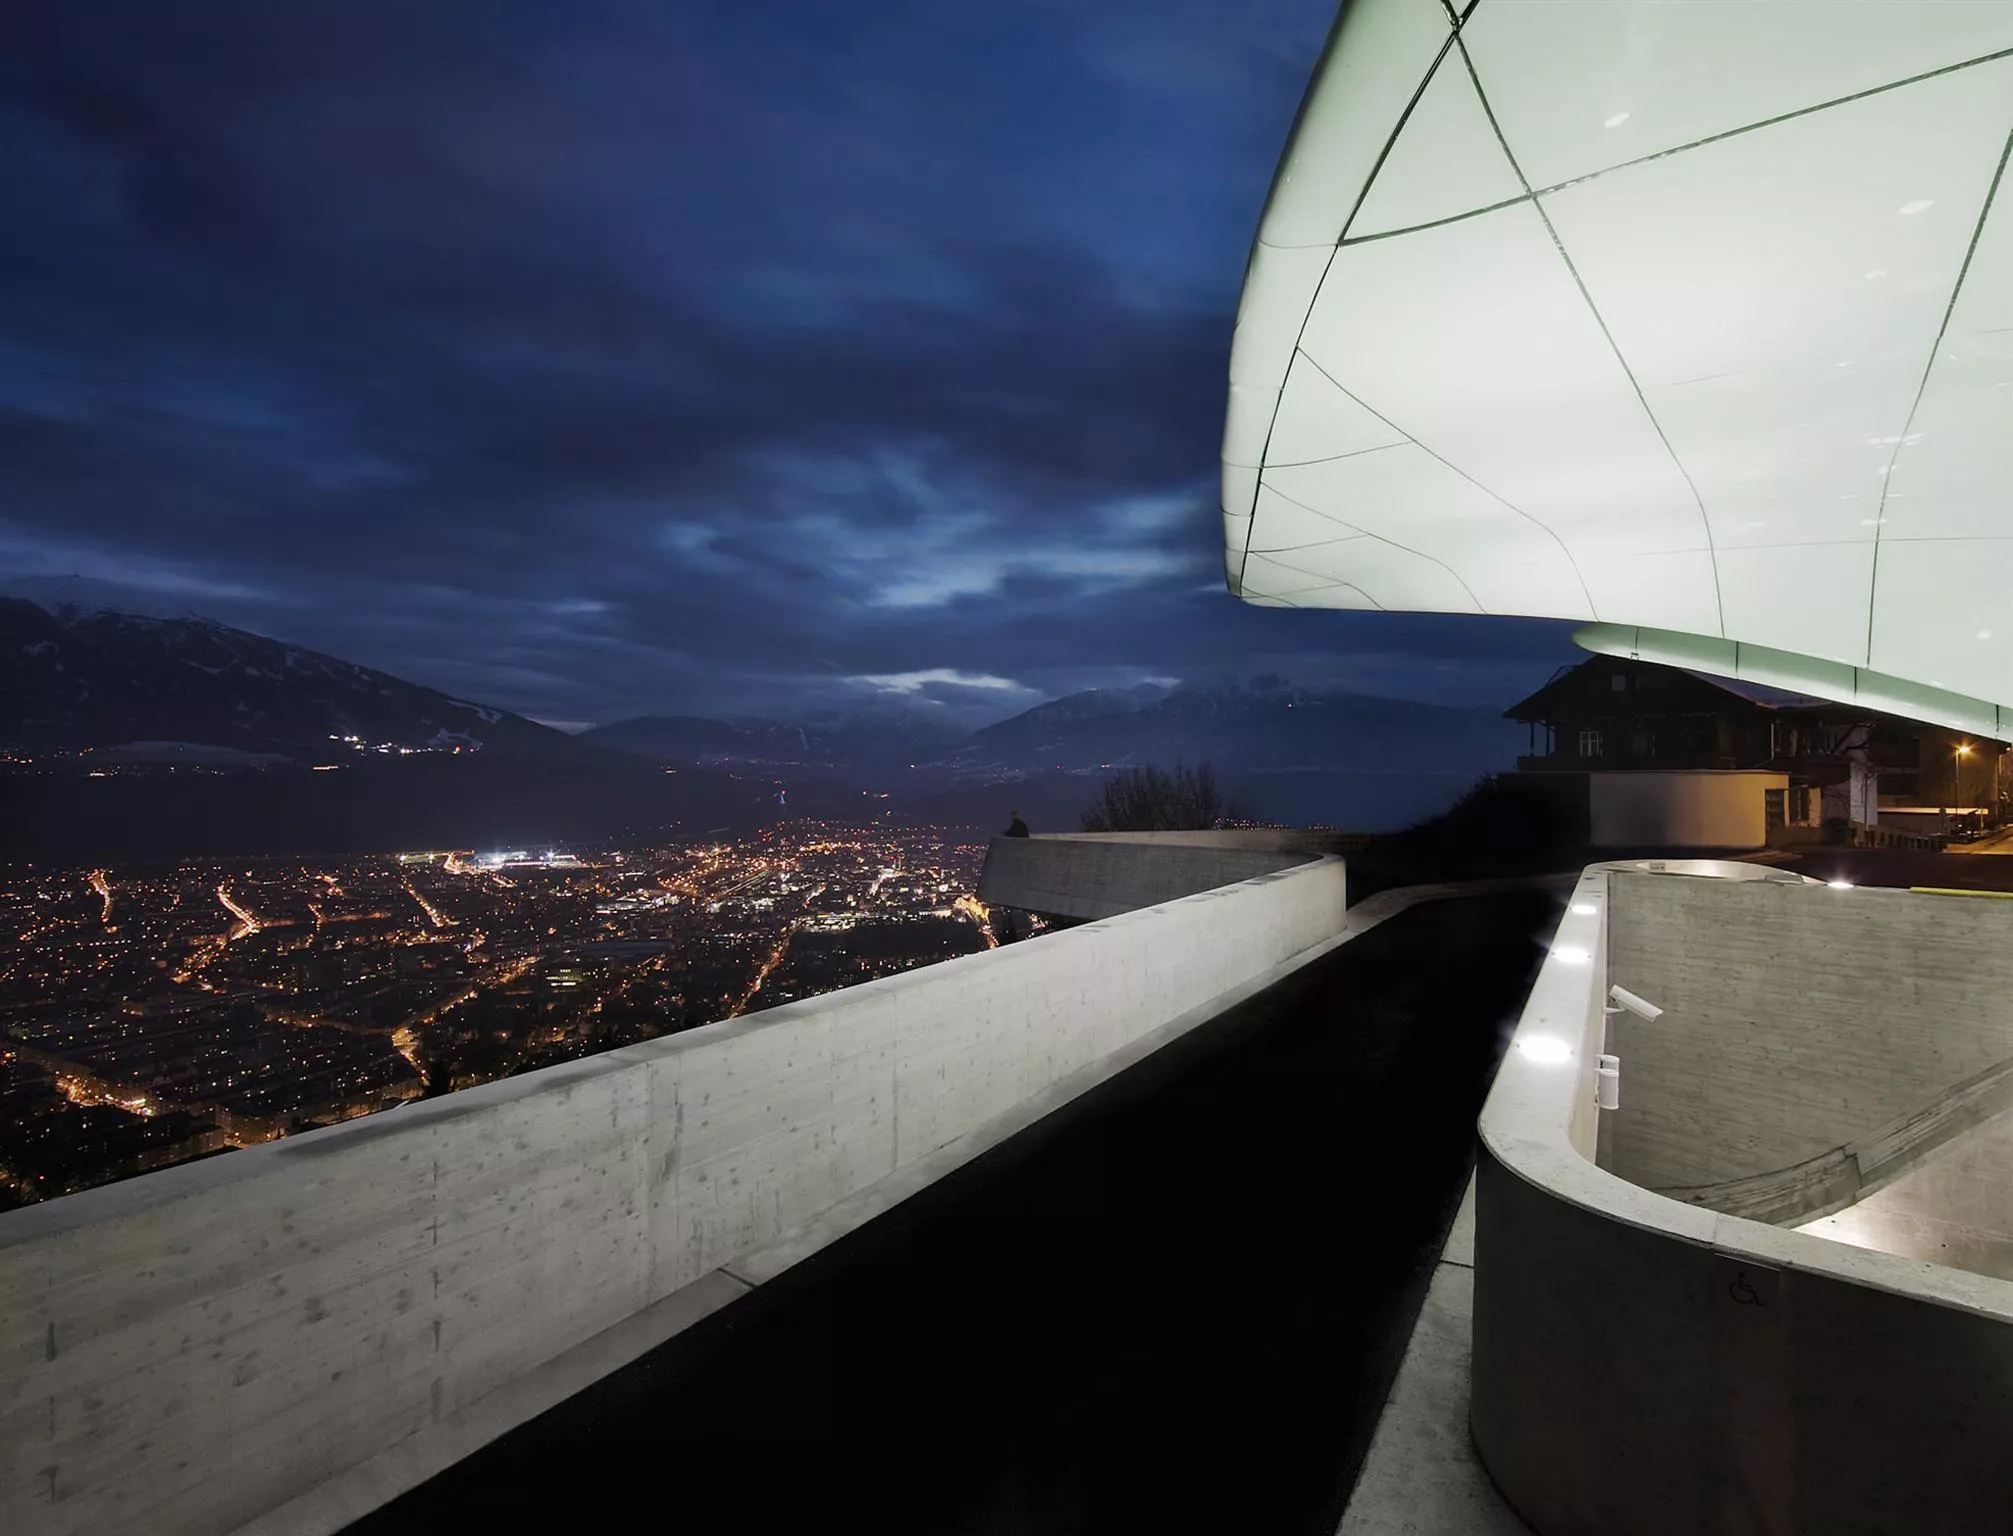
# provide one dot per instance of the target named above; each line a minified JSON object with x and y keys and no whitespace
{"x":597,"y":357}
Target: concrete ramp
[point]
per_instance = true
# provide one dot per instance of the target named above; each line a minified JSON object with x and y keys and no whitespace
{"x":1849,"y":1173}
{"x":1952,"y":1206}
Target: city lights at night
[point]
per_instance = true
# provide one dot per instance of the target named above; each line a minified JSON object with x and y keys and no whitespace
{"x":156,"y":1013}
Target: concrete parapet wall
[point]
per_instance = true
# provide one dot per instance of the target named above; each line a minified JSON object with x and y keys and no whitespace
{"x":1254,"y":839}
{"x":189,"y":1350}
{"x":1102,"y":875}
{"x":1648,"y":1366}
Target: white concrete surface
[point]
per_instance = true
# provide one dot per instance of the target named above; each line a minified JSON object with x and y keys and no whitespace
{"x":1422,"y":1476}
{"x":197,"y":1348}
{"x":1680,"y":808}
{"x":1646,"y":1366}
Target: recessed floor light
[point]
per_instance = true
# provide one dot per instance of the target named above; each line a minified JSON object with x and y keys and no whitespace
{"x":1919,"y":205}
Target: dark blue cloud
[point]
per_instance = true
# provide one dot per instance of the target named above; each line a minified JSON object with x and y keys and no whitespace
{"x":608,"y":356}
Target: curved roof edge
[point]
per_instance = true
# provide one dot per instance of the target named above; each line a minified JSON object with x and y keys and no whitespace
{"x":1802,"y":674}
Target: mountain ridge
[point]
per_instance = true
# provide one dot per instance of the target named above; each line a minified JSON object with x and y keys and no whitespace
{"x":182,"y":691}
{"x":93,"y":678}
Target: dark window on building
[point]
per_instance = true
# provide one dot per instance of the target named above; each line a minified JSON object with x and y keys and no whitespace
{"x":1590,"y":743}
{"x":1619,"y":682}
{"x":1799,"y":803}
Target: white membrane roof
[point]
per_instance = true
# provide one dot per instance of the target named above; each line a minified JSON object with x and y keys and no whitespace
{"x":1690,"y":320}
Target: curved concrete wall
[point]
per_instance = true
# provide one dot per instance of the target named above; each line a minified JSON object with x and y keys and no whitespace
{"x":1102,"y":875}
{"x":189,"y":1350}
{"x":1647,"y":1366}
{"x":1801,"y":1020}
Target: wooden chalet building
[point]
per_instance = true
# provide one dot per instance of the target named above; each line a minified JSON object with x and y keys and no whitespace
{"x":1836,"y":762}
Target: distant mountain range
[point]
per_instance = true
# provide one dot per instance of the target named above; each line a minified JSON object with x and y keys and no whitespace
{"x":180,"y":689}
{"x":873,"y":746}
{"x":1264,"y":726}
{"x":95,"y":678}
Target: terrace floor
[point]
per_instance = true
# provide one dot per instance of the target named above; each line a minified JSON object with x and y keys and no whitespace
{"x":1176,"y":1304}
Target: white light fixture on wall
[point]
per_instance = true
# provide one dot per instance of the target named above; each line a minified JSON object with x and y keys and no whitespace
{"x":1608,"y":1081}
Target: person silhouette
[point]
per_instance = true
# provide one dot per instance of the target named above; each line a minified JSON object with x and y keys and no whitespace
{"x":1016,"y":827}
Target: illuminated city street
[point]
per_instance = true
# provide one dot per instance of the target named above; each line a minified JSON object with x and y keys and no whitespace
{"x":229,"y":1004}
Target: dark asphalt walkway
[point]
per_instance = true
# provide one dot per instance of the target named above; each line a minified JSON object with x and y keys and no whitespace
{"x":1175,"y":1305}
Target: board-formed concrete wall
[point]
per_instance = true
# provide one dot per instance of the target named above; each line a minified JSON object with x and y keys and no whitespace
{"x":1653,"y":1367}
{"x":1799,"y":1018}
{"x":1101,"y":876}
{"x":184,"y":1351}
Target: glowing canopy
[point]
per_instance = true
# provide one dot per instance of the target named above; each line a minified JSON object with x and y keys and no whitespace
{"x":1691,"y":321}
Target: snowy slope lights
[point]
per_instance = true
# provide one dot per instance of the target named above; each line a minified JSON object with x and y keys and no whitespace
{"x":1690,"y":321}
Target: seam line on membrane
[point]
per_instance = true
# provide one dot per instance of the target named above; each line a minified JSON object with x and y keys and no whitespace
{"x":1327,"y":582}
{"x":1679,"y":149}
{"x":1499,"y":498}
{"x":1381,"y":539}
{"x":1719,"y":603}
{"x":1328,"y":266}
{"x":1922,"y":385}
{"x":1333,"y":458}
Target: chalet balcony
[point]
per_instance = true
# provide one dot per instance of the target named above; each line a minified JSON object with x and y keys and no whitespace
{"x":1609,"y":762}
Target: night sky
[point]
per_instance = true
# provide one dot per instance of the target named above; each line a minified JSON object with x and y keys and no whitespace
{"x":600,"y":357}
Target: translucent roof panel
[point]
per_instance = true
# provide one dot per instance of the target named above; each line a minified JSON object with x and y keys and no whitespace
{"x":1692,"y":322}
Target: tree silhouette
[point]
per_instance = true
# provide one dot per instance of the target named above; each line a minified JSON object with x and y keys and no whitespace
{"x":1150,"y":799}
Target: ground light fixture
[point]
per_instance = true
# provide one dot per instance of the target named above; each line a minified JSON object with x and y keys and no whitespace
{"x":1548,"y":1050}
{"x":1570,"y":954}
